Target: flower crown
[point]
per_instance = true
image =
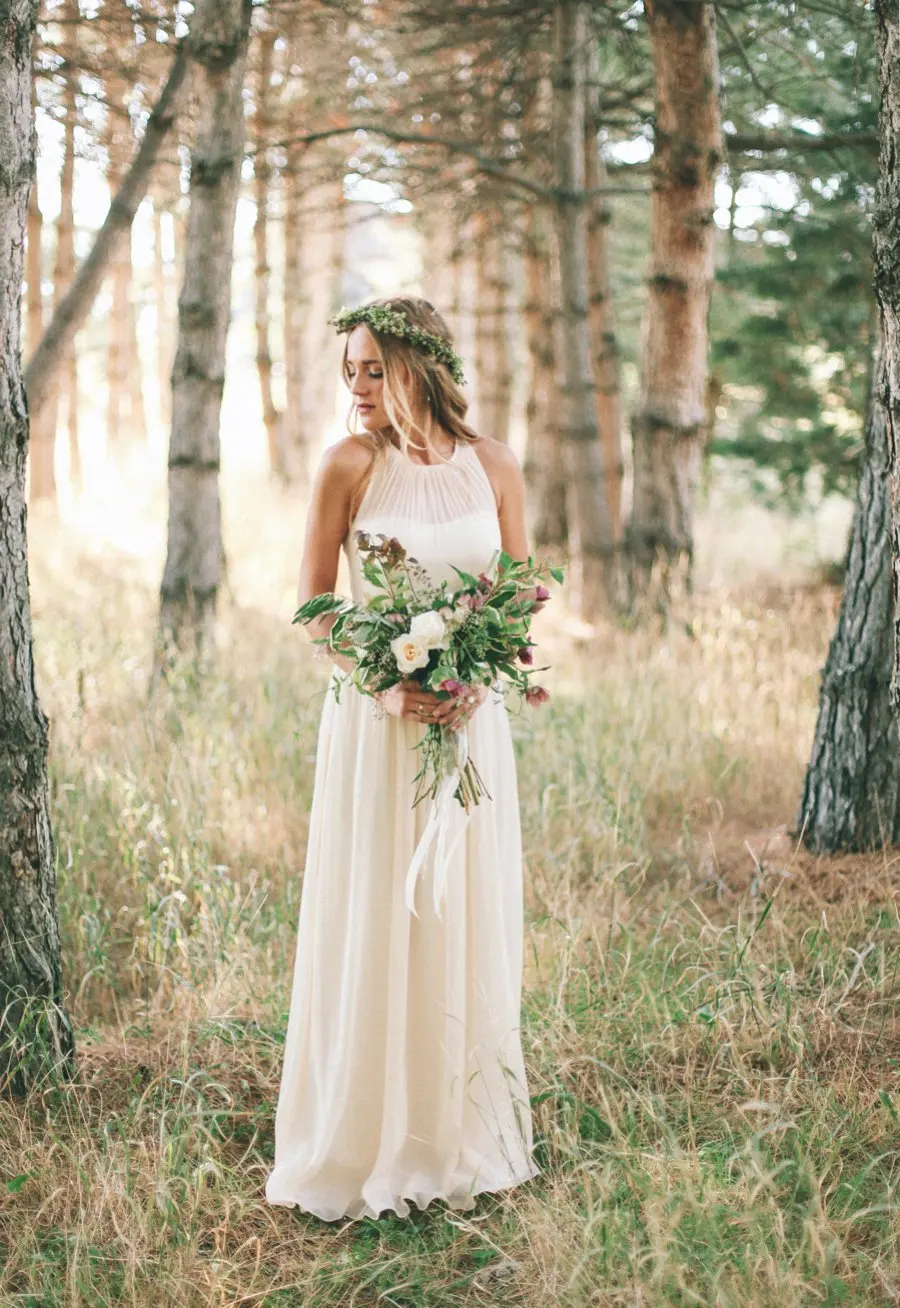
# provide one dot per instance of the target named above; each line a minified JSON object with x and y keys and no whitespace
{"x":394,"y":323}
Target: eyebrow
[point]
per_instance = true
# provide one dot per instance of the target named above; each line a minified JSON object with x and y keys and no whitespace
{"x":350,"y":361}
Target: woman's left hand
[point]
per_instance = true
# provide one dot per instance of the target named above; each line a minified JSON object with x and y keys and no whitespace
{"x":455,"y":713}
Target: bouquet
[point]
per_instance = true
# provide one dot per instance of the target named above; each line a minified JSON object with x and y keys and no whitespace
{"x":445,"y":639}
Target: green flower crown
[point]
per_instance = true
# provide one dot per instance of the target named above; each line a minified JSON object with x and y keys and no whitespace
{"x":393,"y":323}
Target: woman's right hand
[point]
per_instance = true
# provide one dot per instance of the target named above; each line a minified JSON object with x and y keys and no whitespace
{"x":407,"y":699}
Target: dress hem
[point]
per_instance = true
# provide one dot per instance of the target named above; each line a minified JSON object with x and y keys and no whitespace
{"x":457,"y":1203}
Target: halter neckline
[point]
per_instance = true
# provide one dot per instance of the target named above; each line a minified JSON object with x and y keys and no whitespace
{"x":427,"y":467}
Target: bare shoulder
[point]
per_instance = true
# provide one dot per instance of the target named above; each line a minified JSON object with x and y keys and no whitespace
{"x":501,"y":463}
{"x":347,"y":460}
{"x":496,"y":454}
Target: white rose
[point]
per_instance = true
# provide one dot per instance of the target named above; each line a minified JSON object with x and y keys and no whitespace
{"x":409,"y":652}
{"x":430,"y":630}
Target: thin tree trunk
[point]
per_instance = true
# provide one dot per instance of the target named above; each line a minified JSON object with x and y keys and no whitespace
{"x":294,"y":433}
{"x":194,"y":555}
{"x":887,"y":283}
{"x":35,"y":1031}
{"x":670,"y":422}
{"x":165,"y":346}
{"x":326,"y":283}
{"x":493,"y":365}
{"x":42,"y":481}
{"x":76,"y":304}
{"x":590,"y":527}
{"x":543,"y":471}
{"x":601,"y":317}
{"x":851,"y":798}
{"x":262,"y":179}
{"x":65,"y":241}
{"x":119,"y":271}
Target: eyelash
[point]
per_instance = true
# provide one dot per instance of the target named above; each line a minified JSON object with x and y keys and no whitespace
{"x":376,"y":376}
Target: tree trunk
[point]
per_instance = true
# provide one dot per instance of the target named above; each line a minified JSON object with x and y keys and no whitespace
{"x":590,"y":527}
{"x":887,"y":283}
{"x":601,"y":317}
{"x":326,"y":268}
{"x":668,"y":427}
{"x":262,"y":177}
{"x":76,"y":304}
{"x":194,"y":555}
{"x":117,"y":351}
{"x":165,"y":348}
{"x":851,"y":799}
{"x":65,"y":239}
{"x":42,"y":480}
{"x":294,"y":433}
{"x":542,"y":469}
{"x":492,"y":352}
{"x":35,"y":1031}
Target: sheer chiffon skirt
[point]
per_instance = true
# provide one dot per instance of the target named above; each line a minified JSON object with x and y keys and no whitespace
{"x":403,"y":1076}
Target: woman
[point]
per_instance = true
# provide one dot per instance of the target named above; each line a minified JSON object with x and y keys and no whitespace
{"x":403,"y":1076}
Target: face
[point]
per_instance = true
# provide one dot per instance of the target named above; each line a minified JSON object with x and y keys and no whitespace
{"x":365,"y":378}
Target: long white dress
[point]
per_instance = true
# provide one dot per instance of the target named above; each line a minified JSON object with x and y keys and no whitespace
{"x":403,"y":1076}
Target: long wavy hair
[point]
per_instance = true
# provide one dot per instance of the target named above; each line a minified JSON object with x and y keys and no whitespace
{"x":418,"y":390}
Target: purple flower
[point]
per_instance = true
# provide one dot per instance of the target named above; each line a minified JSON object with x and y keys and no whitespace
{"x":396,"y":617}
{"x":474,"y":601}
{"x":452,"y":686}
{"x":541,"y":593}
{"x":525,"y":655}
{"x":484,"y":583}
{"x":536,"y":695}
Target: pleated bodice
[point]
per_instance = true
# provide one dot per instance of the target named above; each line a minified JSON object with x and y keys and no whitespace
{"x":442,"y":513}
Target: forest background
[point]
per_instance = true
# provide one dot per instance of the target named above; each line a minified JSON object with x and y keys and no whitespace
{"x":710,"y":1004}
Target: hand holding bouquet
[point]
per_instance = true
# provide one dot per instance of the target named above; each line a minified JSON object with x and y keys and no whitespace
{"x":445,"y":641}
{"x":411,"y":631}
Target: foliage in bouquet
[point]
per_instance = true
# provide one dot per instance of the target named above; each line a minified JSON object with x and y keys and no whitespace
{"x":445,"y":638}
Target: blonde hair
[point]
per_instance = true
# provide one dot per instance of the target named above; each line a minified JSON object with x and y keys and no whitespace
{"x":426,"y":388}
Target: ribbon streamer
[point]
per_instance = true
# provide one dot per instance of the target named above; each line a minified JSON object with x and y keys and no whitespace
{"x":456,"y":753}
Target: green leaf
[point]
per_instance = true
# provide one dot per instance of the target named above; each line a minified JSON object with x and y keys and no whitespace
{"x":465,"y":577}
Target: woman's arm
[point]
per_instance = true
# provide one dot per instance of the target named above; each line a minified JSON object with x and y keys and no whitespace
{"x":340,"y":472}
{"x":511,"y":513}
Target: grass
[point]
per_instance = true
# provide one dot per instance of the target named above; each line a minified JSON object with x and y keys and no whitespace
{"x":710,"y":1014}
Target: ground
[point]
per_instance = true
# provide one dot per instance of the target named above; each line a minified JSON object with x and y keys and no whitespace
{"x":710,"y":1014}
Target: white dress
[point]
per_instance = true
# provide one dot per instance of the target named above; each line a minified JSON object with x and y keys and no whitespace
{"x":403,"y":1075}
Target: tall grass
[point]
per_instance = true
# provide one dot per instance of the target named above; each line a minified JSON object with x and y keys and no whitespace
{"x":710,"y":1015}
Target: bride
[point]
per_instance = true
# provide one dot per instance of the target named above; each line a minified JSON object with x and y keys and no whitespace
{"x":403,"y":1077}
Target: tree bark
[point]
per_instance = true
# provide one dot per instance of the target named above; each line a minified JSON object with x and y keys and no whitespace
{"x":76,"y":304}
{"x":262,"y":177}
{"x":493,"y":364}
{"x":41,"y":442}
{"x":163,"y":298}
{"x":294,"y":434}
{"x":326,"y":269}
{"x":668,"y":427}
{"x":542,"y":469}
{"x":194,"y":554}
{"x":887,"y":284}
{"x":65,"y":239}
{"x":35,"y":1031}
{"x":851,"y":798}
{"x":590,"y":526}
{"x":119,"y":270}
{"x":601,"y":316}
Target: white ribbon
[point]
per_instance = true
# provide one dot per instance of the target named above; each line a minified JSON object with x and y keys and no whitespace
{"x":456,"y":745}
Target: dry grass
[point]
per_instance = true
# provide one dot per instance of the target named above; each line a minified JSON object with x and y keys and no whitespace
{"x":710,"y":1014}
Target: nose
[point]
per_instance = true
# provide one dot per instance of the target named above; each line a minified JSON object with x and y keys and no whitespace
{"x":359,"y":386}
